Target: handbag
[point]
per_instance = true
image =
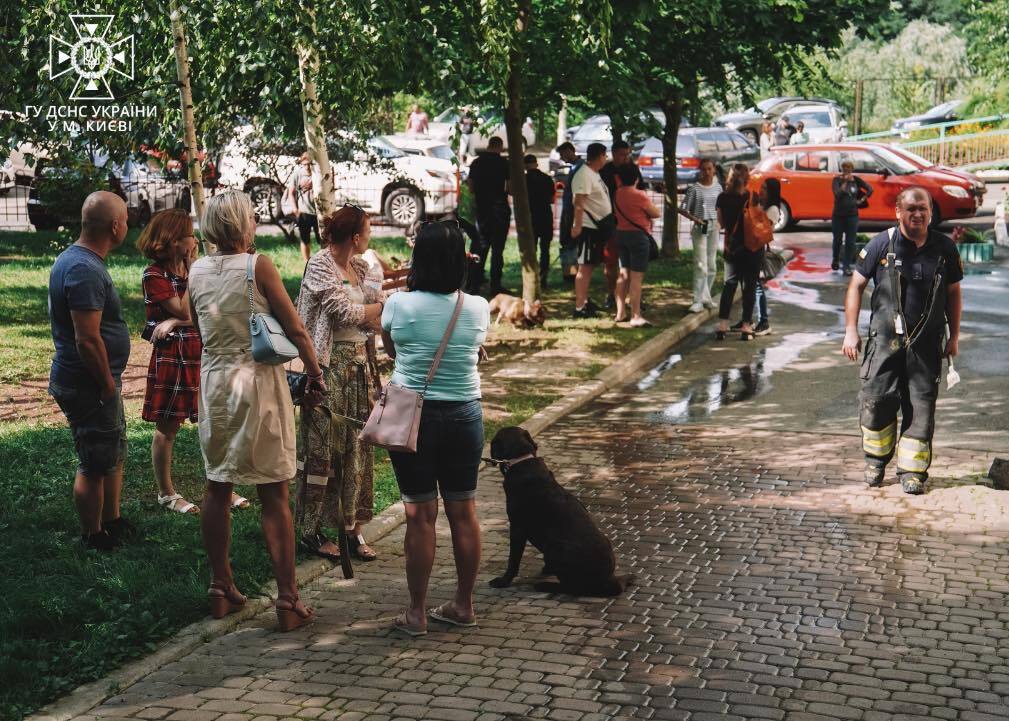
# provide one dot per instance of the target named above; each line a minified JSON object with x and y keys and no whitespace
{"x":653,"y":246}
{"x":269,"y":343}
{"x":395,"y":420}
{"x":758,"y":230}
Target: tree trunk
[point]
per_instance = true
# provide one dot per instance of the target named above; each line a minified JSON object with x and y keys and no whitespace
{"x":194,"y":168}
{"x":672,"y":108}
{"x":315,"y":132}
{"x":562,"y":121}
{"x":517,"y":176}
{"x":618,"y":128}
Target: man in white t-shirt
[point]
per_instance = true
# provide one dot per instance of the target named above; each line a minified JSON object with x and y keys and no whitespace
{"x":593,"y":224}
{"x":301,"y":191}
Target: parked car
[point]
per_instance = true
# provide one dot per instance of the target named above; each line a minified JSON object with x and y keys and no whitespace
{"x":722,"y":145}
{"x":924,"y":163}
{"x":942,"y":113}
{"x":824,"y":123}
{"x":421,"y":145}
{"x":16,"y":168}
{"x":145,"y":191}
{"x":596,"y":129}
{"x":490,"y":124}
{"x":749,"y":121}
{"x":385,"y":181}
{"x":806,"y":173}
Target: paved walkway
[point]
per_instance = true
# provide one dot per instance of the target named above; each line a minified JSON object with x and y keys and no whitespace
{"x":770,"y":584}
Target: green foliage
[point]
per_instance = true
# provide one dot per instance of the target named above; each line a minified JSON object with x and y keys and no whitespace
{"x":890,"y":23}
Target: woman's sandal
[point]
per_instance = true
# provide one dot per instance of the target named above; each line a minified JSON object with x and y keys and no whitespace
{"x":175,"y":502}
{"x":360,"y":548}
{"x":746,"y":335}
{"x":314,"y":544}
{"x":224,"y":598}
{"x":288,"y":617}
{"x":403,"y":625}
{"x":441,"y":613}
{"x":238,"y":501}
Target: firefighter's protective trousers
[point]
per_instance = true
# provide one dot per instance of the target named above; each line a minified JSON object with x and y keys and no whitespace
{"x":900,"y":370}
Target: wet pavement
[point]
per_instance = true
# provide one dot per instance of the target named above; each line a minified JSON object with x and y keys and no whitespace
{"x":770,"y":583}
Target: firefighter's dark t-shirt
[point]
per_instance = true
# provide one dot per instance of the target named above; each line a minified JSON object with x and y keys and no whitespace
{"x":916,"y":267}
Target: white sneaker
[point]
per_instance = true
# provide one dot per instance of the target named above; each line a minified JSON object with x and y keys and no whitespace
{"x":695,"y":308}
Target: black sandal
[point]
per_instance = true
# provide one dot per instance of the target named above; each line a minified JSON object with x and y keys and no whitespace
{"x":356,"y":543}
{"x":314,"y":544}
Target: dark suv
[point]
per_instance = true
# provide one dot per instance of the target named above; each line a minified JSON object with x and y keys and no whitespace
{"x":722,"y":145}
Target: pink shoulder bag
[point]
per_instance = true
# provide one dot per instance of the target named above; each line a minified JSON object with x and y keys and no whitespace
{"x":395,"y":419}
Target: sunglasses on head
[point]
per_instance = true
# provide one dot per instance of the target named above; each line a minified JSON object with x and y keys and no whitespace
{"x":355,"y":207}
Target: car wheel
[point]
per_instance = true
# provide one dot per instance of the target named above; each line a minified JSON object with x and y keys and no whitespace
{"x":140,"y":216}
{"x":750,"y":135}
{"x":784,"y":218}
{"x":936,"y":216}
{"x":404,"y":207}
{"x":185,"y":200}
{"x":266,"y":201}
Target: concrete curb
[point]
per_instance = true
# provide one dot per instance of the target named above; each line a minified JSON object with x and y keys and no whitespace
{"x":86,"y":697}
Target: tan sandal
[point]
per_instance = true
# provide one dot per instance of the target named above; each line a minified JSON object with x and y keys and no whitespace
{"x":175,"y":502}
{"x":224,"y":598}
{"x":238,"y":501}
{"x":290,"y":618}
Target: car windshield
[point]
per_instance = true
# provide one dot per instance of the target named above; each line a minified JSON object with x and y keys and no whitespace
{"x":915,"y":158}
{"x":684,"y":146}
{"x":943,"y":108}
{"x":383,"y":149}
{"x":442,"y":151}
{"x":810,"y":118}
{"x":446,"y":116}
{"x":594,"y":132}
{"x":899,"y":165}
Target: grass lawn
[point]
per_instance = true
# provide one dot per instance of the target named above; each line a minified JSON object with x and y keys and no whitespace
{"x":68,"y":616}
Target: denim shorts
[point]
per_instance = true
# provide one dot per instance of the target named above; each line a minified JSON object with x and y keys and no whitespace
{"x":449,"y":445}
{"x":99,"y":429}
{"x":634,"y":250}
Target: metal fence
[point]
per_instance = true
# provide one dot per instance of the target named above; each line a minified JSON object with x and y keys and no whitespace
{"x":950,"y":146}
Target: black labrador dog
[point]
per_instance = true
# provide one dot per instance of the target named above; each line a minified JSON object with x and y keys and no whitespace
{"x":545,"y":514}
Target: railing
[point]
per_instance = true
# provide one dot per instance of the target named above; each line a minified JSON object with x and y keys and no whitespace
{"x":969,"y":151}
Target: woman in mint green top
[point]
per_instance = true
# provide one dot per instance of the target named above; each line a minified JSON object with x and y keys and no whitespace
{"x":450,"y":439}
{"x":416,"y":321}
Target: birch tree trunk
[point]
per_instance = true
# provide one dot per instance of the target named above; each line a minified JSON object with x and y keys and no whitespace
{"x":315,"y":132}
{"x":194,"y":168}
{"x":517,"y":175}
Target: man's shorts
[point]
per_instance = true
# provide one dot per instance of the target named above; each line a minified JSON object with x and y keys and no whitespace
{"x":308,"y":222}
{"x":99,"y":429}
{"x":611,"y":253}
{"x":591,"y":246}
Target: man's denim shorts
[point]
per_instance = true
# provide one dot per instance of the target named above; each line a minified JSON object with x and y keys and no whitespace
{"x":99,"y":429}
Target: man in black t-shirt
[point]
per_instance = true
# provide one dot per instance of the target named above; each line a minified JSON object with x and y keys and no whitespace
{"x":488,"y":180}
{"x":916,"y":275}
{"x":540,"y":188}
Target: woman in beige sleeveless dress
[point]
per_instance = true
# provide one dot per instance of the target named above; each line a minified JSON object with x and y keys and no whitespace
{"x":246,"y":416}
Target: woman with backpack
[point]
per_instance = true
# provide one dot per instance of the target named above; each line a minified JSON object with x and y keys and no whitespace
{"x":742,"y":266}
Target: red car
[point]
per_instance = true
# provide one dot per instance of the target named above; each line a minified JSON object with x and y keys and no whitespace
{"x":806,"y":172}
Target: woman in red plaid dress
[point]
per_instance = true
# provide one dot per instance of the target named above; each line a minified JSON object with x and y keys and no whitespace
{"x":173,"y":376}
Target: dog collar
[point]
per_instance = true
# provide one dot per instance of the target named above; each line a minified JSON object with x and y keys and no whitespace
{"x":506,"y":464}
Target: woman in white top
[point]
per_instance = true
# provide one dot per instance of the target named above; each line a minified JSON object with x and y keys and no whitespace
{"x":340,"y":301}
{"x":766,"y":138}
{"x":245,"y":410}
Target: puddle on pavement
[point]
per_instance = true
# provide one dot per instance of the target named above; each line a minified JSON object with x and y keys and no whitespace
{"x":706,"y":396}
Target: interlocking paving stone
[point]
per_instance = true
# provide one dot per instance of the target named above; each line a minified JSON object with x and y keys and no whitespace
{"x":769,"y":584}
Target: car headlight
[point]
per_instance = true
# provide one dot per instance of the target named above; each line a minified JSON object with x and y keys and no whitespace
{"x":955,"y":190}
{"x":439,"y":174}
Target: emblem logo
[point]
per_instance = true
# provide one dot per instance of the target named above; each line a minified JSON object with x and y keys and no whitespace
{"x":92,"y":56}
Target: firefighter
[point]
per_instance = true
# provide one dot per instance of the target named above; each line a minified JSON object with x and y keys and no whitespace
{"x":915,"y":297}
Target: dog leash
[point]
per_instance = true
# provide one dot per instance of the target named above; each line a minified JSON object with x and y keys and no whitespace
{"x":506,"y":464}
